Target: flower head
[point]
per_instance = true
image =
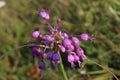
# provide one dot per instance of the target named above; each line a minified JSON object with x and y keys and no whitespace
{"x":48,"y":45}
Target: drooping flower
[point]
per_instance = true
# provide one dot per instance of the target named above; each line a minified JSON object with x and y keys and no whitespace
{"x":62,"y":48}
{"x":75,"y":41}
{"x":80,"y":53}
{"x":77,"y":59}
{"x":56,"y":59}
{"x":70,"y":47}
{"x":71,"y":60}
{"x":41,"y":66}
{"x":50,"y":57}
{"x":66,"y":43}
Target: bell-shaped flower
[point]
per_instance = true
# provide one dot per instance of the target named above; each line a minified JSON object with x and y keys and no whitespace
{"x":71,"y":60}
{"x":80,"y":53}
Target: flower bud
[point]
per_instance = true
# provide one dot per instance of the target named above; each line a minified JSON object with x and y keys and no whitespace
{"x":84,"y":37}
{"x":58,"y":21}
{"x":44,"y":55}
{"x":44,"y":15}
{"x":35,"y":34}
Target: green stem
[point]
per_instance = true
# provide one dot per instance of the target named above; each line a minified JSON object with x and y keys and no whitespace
{"x":62,"y":68}
{"x":83,"y":64}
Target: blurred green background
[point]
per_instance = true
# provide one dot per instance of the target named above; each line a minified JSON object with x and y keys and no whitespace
{"x":100,"y":18}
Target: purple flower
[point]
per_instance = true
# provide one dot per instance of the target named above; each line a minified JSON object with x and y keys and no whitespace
{"x":35,"y":34}
{"x":35,"y":52}
{"x":84,"y":37}
{"x":56,"y":59}
{"x":42,"y":37}
{"x":44,"y":15}
{"x":56,"y":40}
{"x":58,"y":21}
{"x":57,"y":63}
{"x":70,"y":47}
{"x":62,"y":48}
{"x":80,"y":53}
{"x":44,"y":55}
{"x":66,"y":43}
{"x":50,"y":55}
{"x":75,"y":41}
{"x":49,"y":39}
{"x":65,"y":35}
{"x":41,"y":66}
{"x":71,"y":60}
{"x":77,"y":59}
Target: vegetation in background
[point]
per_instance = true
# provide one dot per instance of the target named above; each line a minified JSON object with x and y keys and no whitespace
{"x":100,"y":18}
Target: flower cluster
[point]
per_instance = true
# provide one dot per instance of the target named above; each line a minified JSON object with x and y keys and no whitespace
{"x":48,"y":45}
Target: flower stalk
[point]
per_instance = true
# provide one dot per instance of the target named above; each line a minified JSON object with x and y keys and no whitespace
{"x":62,"y":68}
